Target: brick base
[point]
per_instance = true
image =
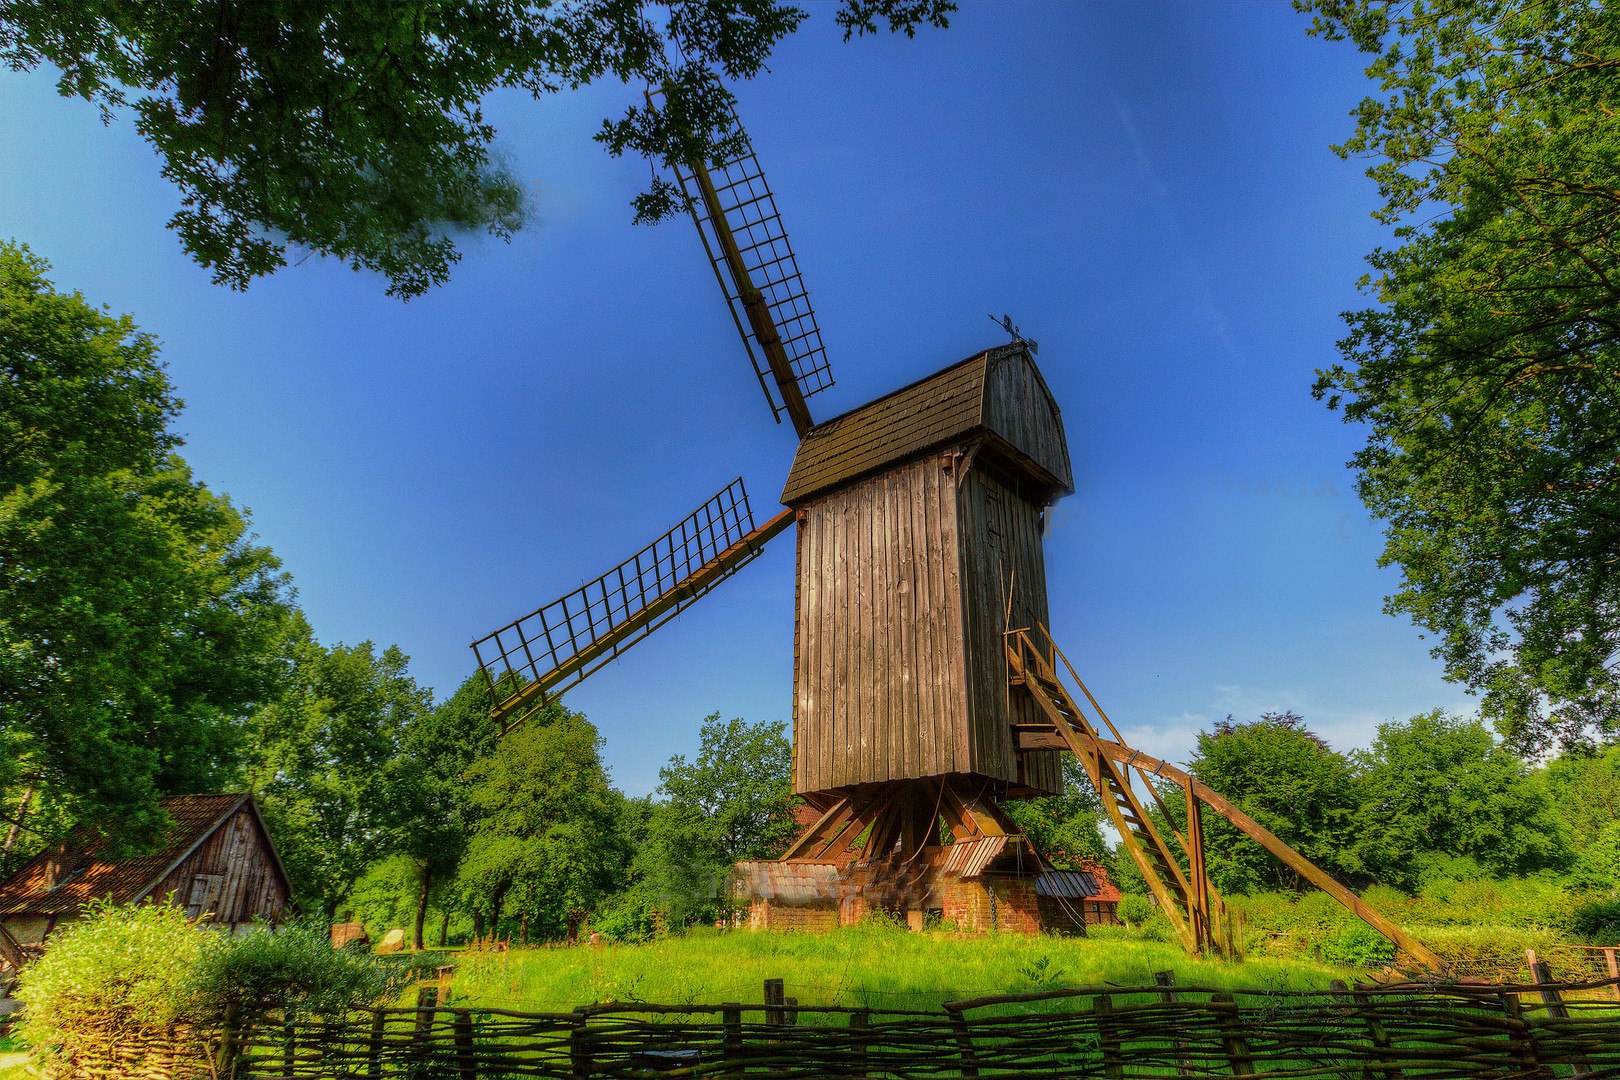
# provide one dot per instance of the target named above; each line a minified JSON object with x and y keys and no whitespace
{"x":993,"y":902}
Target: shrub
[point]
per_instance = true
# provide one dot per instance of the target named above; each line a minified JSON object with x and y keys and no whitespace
{"x":1598,"y":920}
{"x":1134,"y":910}
{"x":294,"y":969}
{"x":1358,"y":943}
{"x":109,"y":988}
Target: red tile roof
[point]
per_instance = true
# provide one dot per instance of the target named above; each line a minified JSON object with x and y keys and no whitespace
{"x":1107,"y":891}
{"x":62,"y":879}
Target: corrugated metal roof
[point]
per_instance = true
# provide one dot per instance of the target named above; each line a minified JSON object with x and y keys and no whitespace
{"x":1068,"y":884}
{"x":968,"y":858}
{"x":945,"y":408}
{"x":60,"y":880}
{"x":792,"y":882}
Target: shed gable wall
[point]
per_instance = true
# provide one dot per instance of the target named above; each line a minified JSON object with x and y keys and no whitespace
{"x":243,"y":882}
{"x":1020,"y":409}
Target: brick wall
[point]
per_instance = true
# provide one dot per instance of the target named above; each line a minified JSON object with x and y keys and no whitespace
{"x":764,"y":915}
{"x":970,"y":906}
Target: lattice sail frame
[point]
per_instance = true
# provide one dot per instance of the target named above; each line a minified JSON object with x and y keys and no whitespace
{"x":558,"y":645}
{"x":748,"y":209}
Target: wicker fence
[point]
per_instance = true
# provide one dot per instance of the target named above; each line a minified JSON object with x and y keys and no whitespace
{"x":1108,"y":1032}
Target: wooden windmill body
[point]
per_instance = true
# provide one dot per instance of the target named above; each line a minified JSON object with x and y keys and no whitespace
{"x":926,"y":690}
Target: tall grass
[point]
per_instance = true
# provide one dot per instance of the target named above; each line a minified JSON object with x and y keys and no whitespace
{"x":876,"y":966}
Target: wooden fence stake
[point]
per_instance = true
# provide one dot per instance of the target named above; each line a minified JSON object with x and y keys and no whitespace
{"x":1376,"y":1032}
{"x":374,"y":1048}
{"x":775,"y":1014}
{"x":1522,"y":1047}
{"x":579,"y":1051}
{"x":466,"y":1062}
{"x":860,"y":1023}
{"x":1108,"y":1036}
{"x":964,"y":1039}
{"x":289,"y":1049}
{"x":731,"y":1037}
{"x":1232,"y":1040}
{"x":1169,"y":996}
{"x":1555,"y":1006}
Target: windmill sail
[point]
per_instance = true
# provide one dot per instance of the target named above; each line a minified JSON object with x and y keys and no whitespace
{"x":555,"y":647}
{"x":748,"y":248}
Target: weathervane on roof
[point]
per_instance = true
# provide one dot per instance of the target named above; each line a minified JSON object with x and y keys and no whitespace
{"x":1006,"y":323}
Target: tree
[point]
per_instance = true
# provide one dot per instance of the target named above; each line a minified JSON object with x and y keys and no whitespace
{"x":545,"y":843}
{"x":325,"y":760}
{"x":1065,"y":828}
{"x":137,"y":616}
{"x":1583,"y":787}
{"x":1287,"y":779}
{"x":354,"y":129}
{"x":1438,"y":788}
{"x":734,"y":802}
{"x":438,"y":748}
{"x":1487,"y":368}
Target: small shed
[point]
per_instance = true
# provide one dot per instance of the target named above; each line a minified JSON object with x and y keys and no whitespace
{"x":216,"y":858}
{"x":1071,"y":900}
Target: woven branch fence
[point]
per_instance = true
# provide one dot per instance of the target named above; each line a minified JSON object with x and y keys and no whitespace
{"x":1152,"y":1033}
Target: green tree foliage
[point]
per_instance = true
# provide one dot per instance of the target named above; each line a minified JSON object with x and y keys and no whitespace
{"x":354,"y":129}
{"x":546,"y":845}
{"x":1437,"y":788}
{"x":439,"y":746}
{"x":1287,"y":779}
{"x":1486,"y":369}
{"x":325,"y":760}
{"x":1065,"y":828}
{"x":1584,"y":785}
{"x":137,"y":617}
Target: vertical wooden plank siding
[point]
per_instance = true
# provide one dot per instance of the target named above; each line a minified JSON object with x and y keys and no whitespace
{"x":1001,"y":547}
{"x":1018,"y":407}
{"x":237,"y":852}
{"x":881,"y":688}
{"x":798,"y":621}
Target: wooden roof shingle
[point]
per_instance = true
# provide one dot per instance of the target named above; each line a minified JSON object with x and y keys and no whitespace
{"x":969,"y":399}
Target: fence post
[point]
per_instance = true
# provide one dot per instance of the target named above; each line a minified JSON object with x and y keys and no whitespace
{"x":1555,"y":1006}
{"x":1108,"y":1037}
{"x":579,"y":1051}
{"x":860,"y":1023}
{"x":1232,"y":1040}
{"x":964,"y":1039}
{"x":466,"y":1062}
{"x":427,"y":999}
{"x":1169,"y":996}
{"x":374,"y":1049}
{"x":1522,"y":1048}
{"x":1613,"y":963}
{"x":775,"y":1015}
{"x":1382,"y":1044}
{"x":731,"y":1038}
{"x":289,"y":1047}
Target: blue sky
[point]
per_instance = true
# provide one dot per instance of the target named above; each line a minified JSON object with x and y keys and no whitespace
{"x":1146,"y":188}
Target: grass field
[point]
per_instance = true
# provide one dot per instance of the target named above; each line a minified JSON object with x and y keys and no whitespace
{"x":876,"y":966}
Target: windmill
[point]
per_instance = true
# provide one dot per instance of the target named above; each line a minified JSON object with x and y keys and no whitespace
{"x":927,"y":690}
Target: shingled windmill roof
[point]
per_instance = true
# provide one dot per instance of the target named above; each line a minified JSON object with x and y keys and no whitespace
{"x":998,"y":396}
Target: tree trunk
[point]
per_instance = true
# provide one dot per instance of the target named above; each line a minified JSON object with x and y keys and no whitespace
{"x":478,"y":925}
{"x":523,"y":929}
{"x":444,"y":928}
{"x":421,"y":905}
{"x":495,"y":912}
{"x":16,"y":825}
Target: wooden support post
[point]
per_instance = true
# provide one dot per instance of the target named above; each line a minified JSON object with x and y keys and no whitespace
{"x":579,"y":1051}
{"x":1555,"y":1006}
{"x":964,"y":1041}
{"x":289,"y":1048}
{"x":374,"y":1049}
{"x":466,"y":1060}
{"x":1613,"y":962}
{"x":1522,"y":1047}
{"x":775,"y":1014}
{"x":427,"y":999}
{"x":731,"y":1038}
{"x":1168,"y":995}
{"x":1108,"y":1038}
{"x":1198,"y":876}
{"x":1382,"y":1043}
{"x":860,"y":1024}
{"x":1232,"y":1038}
{"x":790,"y":1015}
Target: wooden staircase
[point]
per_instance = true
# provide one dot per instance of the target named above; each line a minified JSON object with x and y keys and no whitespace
{"x":1189,"y":902}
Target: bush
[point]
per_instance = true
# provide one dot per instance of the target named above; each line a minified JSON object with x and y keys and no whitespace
{"x":1134,"y":910}
{"x":294,"y":969}
{"x":109,"y":988}
{"x":1358,"y":943}
{"x":1598,"y":920}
